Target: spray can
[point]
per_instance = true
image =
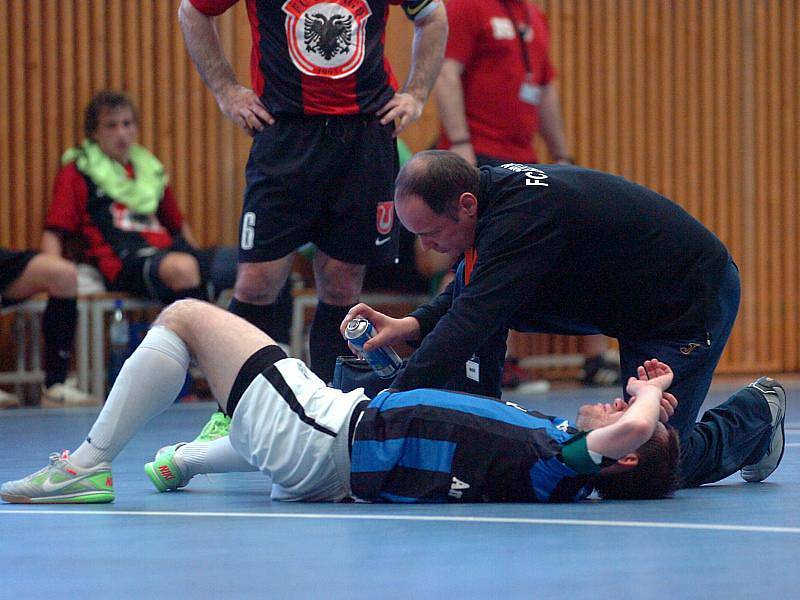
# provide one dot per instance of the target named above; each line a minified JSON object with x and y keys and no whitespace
{"x":384,"y":361}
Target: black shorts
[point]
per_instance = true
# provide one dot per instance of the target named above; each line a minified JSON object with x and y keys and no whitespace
{"x":402,"y":277}
{"x":12,"y":264}
{"x":139,"y":274}
{"x":322,"y":179}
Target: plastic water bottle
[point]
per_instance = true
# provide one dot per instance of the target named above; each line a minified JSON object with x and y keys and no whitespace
{"x":119,"y":334}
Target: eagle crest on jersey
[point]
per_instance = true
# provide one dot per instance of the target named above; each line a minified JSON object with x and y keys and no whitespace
{"x":326,"y":39}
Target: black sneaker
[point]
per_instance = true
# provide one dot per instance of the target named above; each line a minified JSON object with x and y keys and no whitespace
{"x":775,"y":396}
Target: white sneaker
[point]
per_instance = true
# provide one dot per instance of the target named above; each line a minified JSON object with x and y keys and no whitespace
{"x":8,"y":400}
{"x":62,"y":482}
{"x":64,"y":395}
{"x":775,"y":396}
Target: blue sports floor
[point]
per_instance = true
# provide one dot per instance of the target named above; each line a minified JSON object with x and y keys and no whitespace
{"x":223,"y":538}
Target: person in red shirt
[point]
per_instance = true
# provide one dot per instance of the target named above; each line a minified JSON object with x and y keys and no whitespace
{"x":115,"y":196}
{"x":496,"y":88}
{"x":495,"y":93}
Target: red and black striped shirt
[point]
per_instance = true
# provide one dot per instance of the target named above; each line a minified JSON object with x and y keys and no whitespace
{"x":312,"y":57}
{"x":109,"y":229}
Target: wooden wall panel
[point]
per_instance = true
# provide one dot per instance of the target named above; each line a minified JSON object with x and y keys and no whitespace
{"x":697,"y":99}
{"x":57,"y":53}
{"x":6,"y":201}
{"x":789,"y":151}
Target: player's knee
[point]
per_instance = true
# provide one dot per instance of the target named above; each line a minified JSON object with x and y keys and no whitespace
{"x":180,"y":315}
{"x":255,"y":290}
{"x":62,"y":280}
{"x":341,"y":286}
{"x":340,"y":295}
{"x":180,"y":271}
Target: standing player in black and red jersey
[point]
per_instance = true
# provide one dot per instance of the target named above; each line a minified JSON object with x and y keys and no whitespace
{"x":322,"y":113}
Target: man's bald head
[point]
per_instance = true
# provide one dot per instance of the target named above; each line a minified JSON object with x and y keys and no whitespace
{"x":439,"y":178}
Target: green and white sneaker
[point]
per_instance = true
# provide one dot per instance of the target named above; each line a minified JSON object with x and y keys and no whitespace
{"x":62,"y":482}
{"x":165,"y":471}
{"x":218,"y":426}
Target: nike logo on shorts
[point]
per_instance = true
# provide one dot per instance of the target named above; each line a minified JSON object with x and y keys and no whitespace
{"x":381,"y":241}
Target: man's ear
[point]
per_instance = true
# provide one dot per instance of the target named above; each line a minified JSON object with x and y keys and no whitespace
{"x":468,"y":203}
{"x":629,"y":461}
{"x":625,"y":463}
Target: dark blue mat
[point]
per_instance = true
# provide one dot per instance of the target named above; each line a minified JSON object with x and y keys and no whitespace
{"x":222,"y":536}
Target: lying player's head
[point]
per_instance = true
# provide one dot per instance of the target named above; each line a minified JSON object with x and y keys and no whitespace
{"x":649,"y":472}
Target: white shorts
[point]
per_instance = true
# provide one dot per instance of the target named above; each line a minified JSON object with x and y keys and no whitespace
{"x":294,"y":428}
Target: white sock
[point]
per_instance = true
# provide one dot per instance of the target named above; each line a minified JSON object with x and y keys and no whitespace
{"x":146,"y":386}
{"x":217,"y":456}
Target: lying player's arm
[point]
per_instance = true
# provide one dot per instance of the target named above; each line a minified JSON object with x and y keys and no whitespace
{"x":635,"y":427}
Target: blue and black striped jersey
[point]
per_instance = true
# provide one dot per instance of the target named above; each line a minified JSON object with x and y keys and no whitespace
{"x":430,"y":445}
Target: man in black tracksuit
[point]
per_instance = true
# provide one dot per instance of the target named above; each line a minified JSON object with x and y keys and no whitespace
{"x":568,"y":250}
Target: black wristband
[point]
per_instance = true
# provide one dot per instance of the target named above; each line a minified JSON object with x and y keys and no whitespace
{"x":460,"y":142}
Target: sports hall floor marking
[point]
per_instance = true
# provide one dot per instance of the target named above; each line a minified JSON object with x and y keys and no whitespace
{"x":440,"y":519}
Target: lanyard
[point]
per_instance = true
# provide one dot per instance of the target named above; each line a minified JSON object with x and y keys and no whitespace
{"x":521,"y":31}
{"x":470,"y":258}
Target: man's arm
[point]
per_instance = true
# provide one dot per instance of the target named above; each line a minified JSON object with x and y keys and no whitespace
{"x":67,"y":206}
{"x":551,"y":125}
{"x":638,"y":423}
{"x":391,"y":331}
{"x":237,"y":102}
{"x":427,"y":51}
{"x":452,"y":110}
{"x":594,"y":416}
{"x":515,"y":252}
{"x":186,"y":234}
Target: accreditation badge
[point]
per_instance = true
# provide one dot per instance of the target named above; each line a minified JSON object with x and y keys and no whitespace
{"x":474,"y":369}
{"x":530,"y":93}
